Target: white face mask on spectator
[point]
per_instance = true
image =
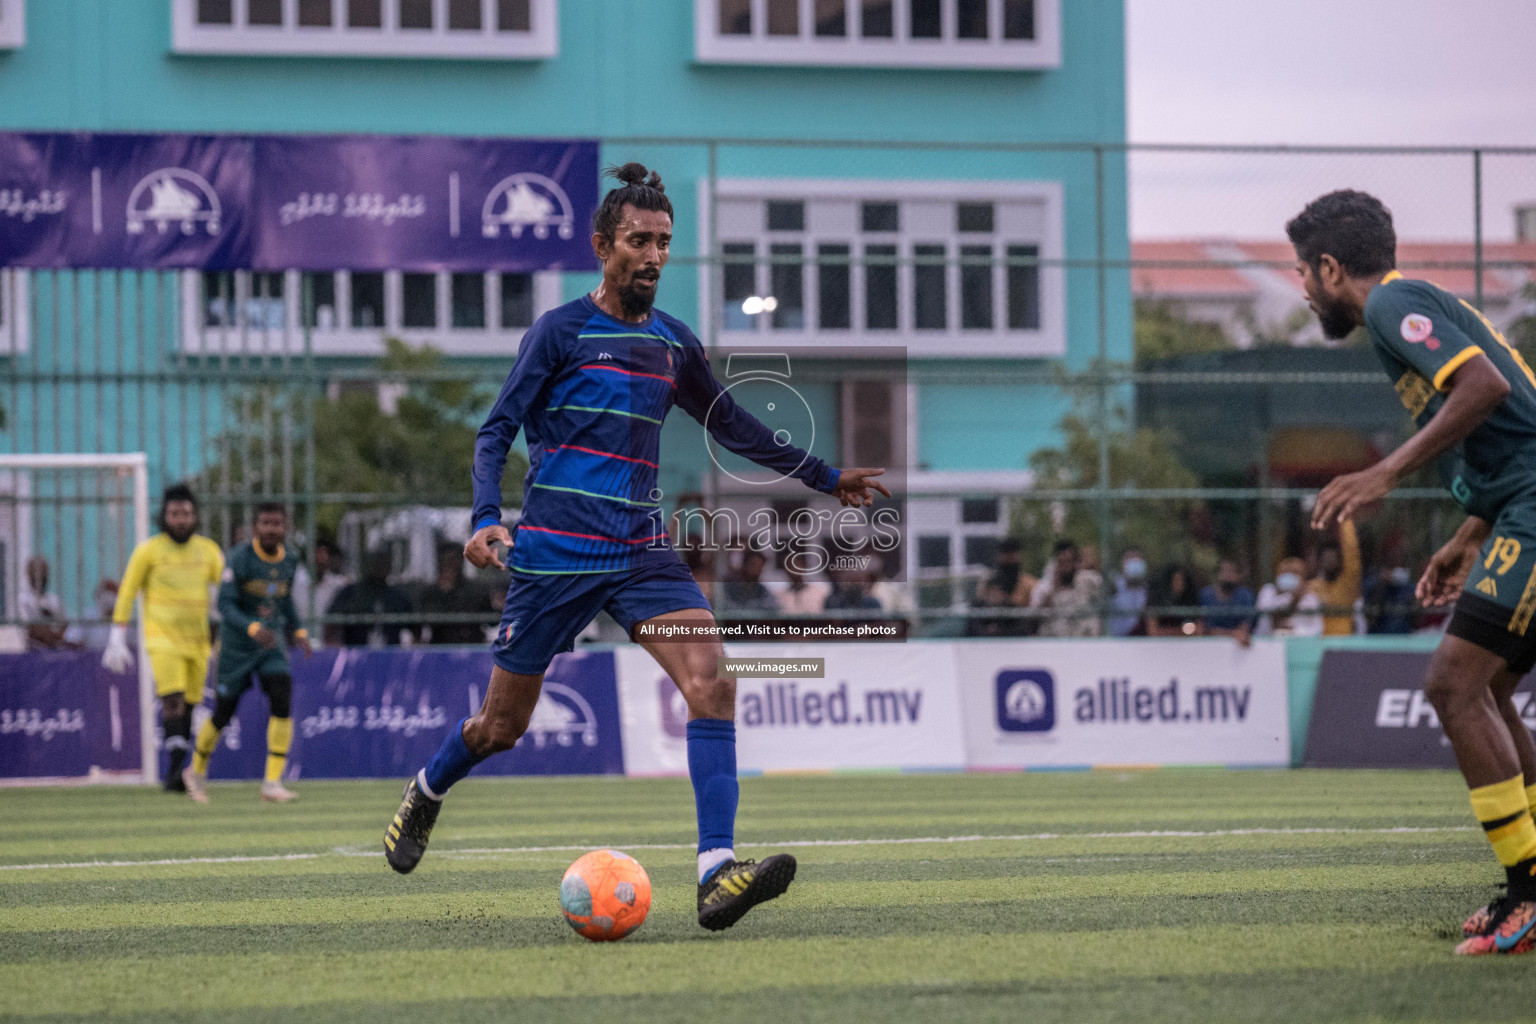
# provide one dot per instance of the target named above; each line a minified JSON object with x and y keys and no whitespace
{"x":1135,"y":569}
{"x":1287,"y":582}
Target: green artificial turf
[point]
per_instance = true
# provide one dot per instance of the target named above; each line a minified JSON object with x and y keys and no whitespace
{"x":1262,"y":896}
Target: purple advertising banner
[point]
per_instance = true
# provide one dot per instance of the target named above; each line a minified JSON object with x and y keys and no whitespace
{"x":151,"y":201}
{"x":1370,"y":711}
{"x":357,"y":713}
{"x":44,"y":181}
{"x":363,"y":713}
{"x":423,"y":202}
{"x":64,"y":716}
{"x":366,"y":202}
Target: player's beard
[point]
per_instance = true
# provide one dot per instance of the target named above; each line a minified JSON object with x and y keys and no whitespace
{"x":636,"y":302}
{"x":1335,"y":318}
{"x":181,"y":536}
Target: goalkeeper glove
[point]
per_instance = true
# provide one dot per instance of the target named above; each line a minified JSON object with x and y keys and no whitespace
{"x":117,"y":657}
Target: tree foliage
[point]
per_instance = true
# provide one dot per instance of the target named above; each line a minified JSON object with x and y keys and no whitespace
{"x":1161,"y":332}
{"x":1139,"y":458}
{"x":1522,"y":332}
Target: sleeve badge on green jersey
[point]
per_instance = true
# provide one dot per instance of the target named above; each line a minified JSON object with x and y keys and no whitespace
{"x":1417,"y":327}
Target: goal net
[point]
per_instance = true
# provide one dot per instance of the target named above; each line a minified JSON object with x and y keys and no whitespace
{"x":68,"y":523}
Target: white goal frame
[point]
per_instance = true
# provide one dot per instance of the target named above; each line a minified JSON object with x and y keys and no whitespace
{"x":138,"y":464}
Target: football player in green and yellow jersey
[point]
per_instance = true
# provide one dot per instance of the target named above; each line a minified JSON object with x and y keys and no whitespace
{"x":1474,"y":399}
{"x":258,"y":621}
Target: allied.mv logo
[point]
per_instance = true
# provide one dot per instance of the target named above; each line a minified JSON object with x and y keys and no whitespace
{"x":527,"y":201}
{"x":1026,"y":700}
{"x":173,"y":195}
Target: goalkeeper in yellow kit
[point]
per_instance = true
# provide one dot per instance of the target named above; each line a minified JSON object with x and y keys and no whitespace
{"x":176,"y":569}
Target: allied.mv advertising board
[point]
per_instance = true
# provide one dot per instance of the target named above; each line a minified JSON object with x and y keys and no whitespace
{"x":1058,"y":704}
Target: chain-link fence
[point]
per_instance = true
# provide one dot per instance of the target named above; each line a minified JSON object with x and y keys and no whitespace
{"x":1098,"y":344}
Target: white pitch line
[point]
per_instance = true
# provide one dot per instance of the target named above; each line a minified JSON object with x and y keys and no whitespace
{"x":165,"y":862}
{"x":792,"y":843}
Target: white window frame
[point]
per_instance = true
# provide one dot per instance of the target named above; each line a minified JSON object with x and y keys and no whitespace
{"x":13,"y":24}
{"x":338,"y":40}
{"x":15,"y":312}
{"x":1048,"y":340}
{"x":899,"y":50}
{"x":244,"y":339}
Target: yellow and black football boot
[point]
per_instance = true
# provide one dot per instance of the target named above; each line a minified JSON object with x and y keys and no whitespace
{"x":405,"y":840}
{"x":739,"y":885}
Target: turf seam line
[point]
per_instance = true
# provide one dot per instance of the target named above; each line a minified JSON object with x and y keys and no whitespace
{"x":792,"y":843}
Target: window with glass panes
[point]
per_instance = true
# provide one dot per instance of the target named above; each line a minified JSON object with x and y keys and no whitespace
{"x":13,"y":23}
{"x":927,"y":260}
{"x":952,"y":33}
{"x":425,"y":28}
{"x":341,"y":309}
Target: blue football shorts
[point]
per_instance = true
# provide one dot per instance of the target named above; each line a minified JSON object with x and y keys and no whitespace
{"x":545,"y":613}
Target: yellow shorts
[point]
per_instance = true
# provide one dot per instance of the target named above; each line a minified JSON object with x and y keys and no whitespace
{"x":178,"y":672}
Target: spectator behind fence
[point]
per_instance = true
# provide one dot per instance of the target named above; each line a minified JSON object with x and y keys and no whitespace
{"x":991,"y":596}
{"x":799,"y":595}
{"x":42,"y":611}
{"x":1287,"y":607}
{"x":1389,"y":601}
{"x":328,"y":565}
{"x":895,"y":598}
{"x":1227,"y":605}
{"x":451,"y":597}
{"x":95,"y":634}
{"x":1069,"y":594}
{"x":1130,"y":598}
{"x":371,"y":595}
{"x":1175,"y":589}
{"x":745,"y":590}
{"x":854,"y":591}
{"x":1338,"y":582}
{"x":1006,"y":586}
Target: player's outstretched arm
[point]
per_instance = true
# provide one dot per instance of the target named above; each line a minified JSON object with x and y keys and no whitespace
{"x":856,"y":487}
{"x":1475,"y":390}
{"x":701,"y":395}
{"x":1447,"y":570}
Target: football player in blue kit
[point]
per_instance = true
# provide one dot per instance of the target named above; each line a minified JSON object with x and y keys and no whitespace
{"x":593,"y":381}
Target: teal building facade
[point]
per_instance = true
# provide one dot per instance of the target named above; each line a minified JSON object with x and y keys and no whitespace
{"x":853,"y":178}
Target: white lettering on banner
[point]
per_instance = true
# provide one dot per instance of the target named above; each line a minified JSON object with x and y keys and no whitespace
{"x":876,"y":706}
{"x":562,"y":716}
{"x":1411,"y":709}
{"x":1047,"y":703}
{"x":392,"y":719}
{"x":31,"y":722}
{"x":1421,"y":710}
{"x":367,"y":205}
{"x":1392,"y":709}
{"x":15,"y":203}
{"x":174,"y":195}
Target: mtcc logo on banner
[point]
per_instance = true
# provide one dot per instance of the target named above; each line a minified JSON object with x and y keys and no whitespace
{"x":1026,"y":700}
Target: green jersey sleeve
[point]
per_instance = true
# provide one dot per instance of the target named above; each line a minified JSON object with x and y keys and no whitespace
{"x":1407,"y":319}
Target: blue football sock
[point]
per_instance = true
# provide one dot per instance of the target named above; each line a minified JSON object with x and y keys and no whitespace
{"x":712,"y":767}
{"x":452,"y":762}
